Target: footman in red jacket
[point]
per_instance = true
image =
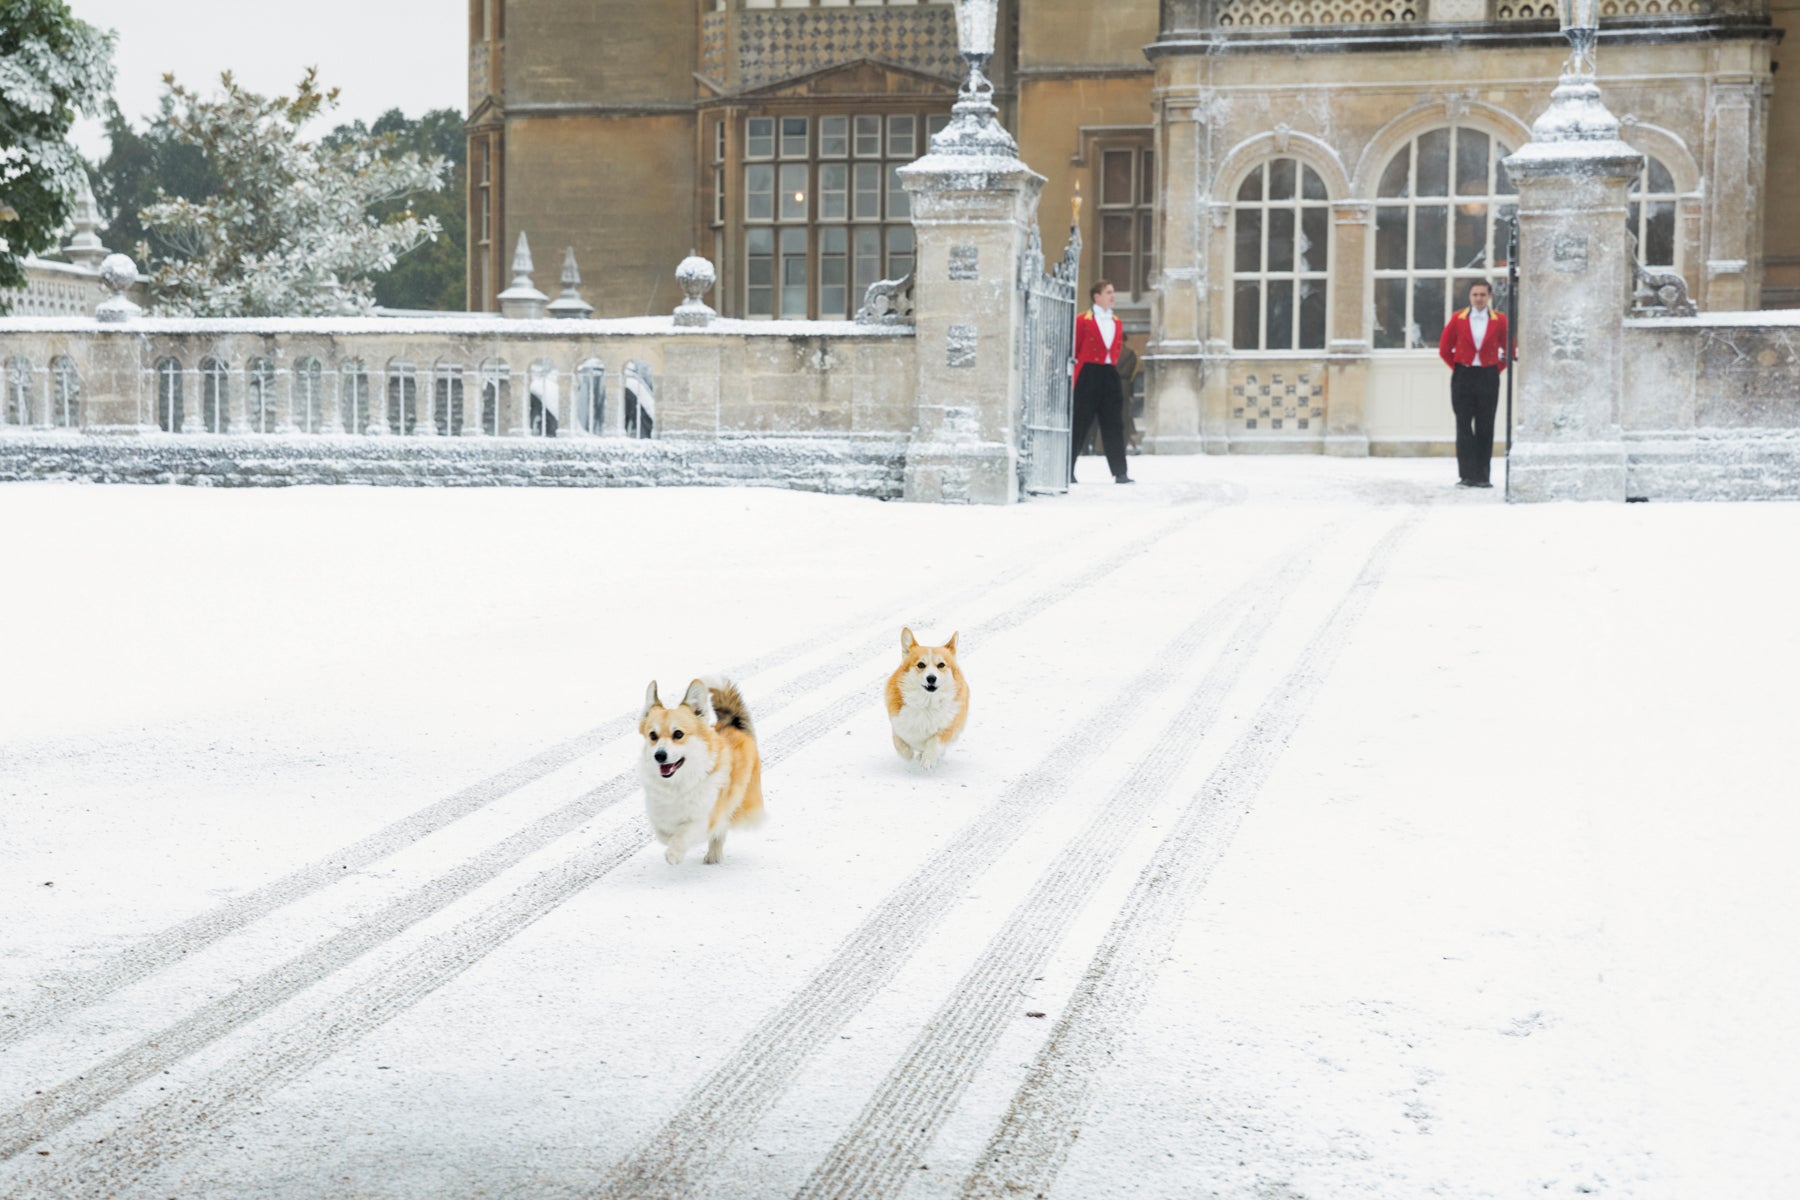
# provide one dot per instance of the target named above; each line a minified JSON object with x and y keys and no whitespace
{"x":1476,"y":347}
{"x":1099,"y":394}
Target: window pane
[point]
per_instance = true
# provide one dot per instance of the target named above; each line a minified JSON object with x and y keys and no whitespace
{"x":793,"y":137}
{"x":1115,"y":238}
{"x":1430,"y":236}
{"x":900,"y":251}
{"x":1390,"y":314}
{"x":1428,"y":311}
{"x":1250,"y":191}
{"x":1281,"y":179}
{"x":1146,"y":176}
{"x":1390,"y":239}
{"x":1116,"y":269}
{"x":1279,"y":330}
{"x":867,"y":205}
{"x":1471,"y":237}
{"x":759,"y":272}
{"x":1249,"y":239}
{"x":1312,"y":314}
{"x":868,"y":137}
{"x":1503,"y":184}
{"x":1115,"y":177}
{"x":1434,"y":163}
{"x":935,"y":122}
{"x":759,"y":192}
{"x":1281,"y":239}
{"x":1659,"y":235}
{"x":1146,"y":255}
{"x":793,"y":191}
{"x":834,"y":137}
{"x":1312,"y":187}
{"x":1660,"y":179}
{"x":759,"y":138}
{"x":834,"y":272}
{"x":834,"y":191}
{"x":902,"y":137}
{"x":1246,"y":311}
{"x":1503,"y":218}
{"x":1315,"y":230}
{"x":1471,"y":162}
{"x":867,"y":265}
{"x":793,"y":273}
{"x":899,"y":204}
{"x":1393,"y":180}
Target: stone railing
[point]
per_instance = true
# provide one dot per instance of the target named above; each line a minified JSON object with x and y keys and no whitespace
{"x":1291,"y":14}
{"x":1610,"y":10}
{"x":1714,"y":411}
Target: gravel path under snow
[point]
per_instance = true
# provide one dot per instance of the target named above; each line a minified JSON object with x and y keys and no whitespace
{"x":1320,"y":831}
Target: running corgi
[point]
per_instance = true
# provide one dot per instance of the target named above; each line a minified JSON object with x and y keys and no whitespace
{"x":701,"y":770}
{"x":927,"y":699}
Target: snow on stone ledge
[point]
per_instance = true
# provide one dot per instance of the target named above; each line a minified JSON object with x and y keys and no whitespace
{"x":457,"y":324}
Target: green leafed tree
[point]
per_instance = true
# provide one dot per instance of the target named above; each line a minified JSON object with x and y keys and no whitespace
{"x":141,"y":169}
{"x":297,"y":227}
{"x":435,"y":275}
{"x":52,"y":67}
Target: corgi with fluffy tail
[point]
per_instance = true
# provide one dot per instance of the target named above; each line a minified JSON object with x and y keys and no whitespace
{"x":701,"y":770}
{"x":927,"y":700}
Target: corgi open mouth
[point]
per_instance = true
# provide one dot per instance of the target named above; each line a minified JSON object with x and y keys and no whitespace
{"x":931,"y":687}
{"x":669,"y":768}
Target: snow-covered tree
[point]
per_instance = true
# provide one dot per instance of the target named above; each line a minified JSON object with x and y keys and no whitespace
{"x":292,"y":230}
{"x":52,"y":67}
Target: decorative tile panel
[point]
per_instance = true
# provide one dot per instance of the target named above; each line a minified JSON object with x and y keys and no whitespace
{"x":1251,"y":14}
{"x":1282,"y":399}
{"x":1545,"y":10}
{"x":965,"y":262}
{"x":959,"y":349}
{"x":712,"y":46}
{"x":777,"y":44}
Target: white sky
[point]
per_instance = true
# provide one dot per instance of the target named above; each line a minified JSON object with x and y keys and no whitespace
{"x":411,"y":56}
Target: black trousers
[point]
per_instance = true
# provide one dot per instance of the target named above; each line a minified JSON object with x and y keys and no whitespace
{"x":1474,"y":395}
{"x":1099,"y":396}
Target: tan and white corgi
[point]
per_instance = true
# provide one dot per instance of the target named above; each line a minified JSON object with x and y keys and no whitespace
{"x":927,"y":699}
{"x":701,"y":769}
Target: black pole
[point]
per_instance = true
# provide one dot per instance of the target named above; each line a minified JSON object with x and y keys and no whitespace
{"x":1512,"y":334}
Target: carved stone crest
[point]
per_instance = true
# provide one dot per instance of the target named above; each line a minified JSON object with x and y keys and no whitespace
{"x":965,"y":262}
{"x":960,"y":346}
{"x":1569,"y":253}
{"x":1568,"y":340}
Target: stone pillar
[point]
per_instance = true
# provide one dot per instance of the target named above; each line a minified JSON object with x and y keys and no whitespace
{"x":1574,"y":259}
{"x":331,"y":400}
{"x":238,"y":419}
{"x":973,"y":206}
{"x":1733,"y":175}
{"x":514,"y":415}
{"x":1174,"y":356}
{"x":1347,"y":349}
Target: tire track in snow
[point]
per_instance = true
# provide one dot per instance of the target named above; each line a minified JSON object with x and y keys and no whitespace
{"x":1033,"y":1139}
{"x":879,"y":1154}
{"x":726,"y":1106}
{"x":176,"y":942}
{"x":446,"y":956}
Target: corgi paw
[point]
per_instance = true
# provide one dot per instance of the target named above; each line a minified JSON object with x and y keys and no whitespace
{"x":715,"y":854}
{"x":931,"y":755}
{"x":674,"y":853}
{"x":905,"y":750}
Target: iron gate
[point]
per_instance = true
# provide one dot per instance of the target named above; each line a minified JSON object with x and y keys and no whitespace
{"x":1047,"y":365}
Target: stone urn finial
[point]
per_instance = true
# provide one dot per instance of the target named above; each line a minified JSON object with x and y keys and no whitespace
{"x":974,"y":127}
{"x":84,"y":248}
{"x":696,"y":277}
{"x":117,"y":273}
{"x":570,"y":304}
{"x":522,"y":299}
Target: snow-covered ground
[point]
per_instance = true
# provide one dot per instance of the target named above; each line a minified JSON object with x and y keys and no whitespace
{"x":1320,"y":831}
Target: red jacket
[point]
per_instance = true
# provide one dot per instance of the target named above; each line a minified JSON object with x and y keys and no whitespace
{"x":1457,"y":346}
{"x":1090,"y":347}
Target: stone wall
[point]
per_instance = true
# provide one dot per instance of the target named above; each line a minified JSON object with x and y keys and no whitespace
{"x":1711,"y":407}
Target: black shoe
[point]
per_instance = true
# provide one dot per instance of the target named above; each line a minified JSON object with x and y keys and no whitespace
{"x":1123,"y":479}
{"x":1481,"y":483}
{"x":1464,"y":483}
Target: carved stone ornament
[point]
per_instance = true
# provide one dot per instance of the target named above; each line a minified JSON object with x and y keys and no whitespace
{"x":695,"y":275}
{"x":1568,"y":340}
{"x":965,"y":262}
{"x":1283,"y":135}
{"x":1657,"y":293}
{"x":887,"y":302}
{"x":960,"y":346}
{"x":117,"y":274}
{"x":1569,"y":253}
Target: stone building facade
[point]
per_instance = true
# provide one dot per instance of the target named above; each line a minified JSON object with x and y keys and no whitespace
{"x":1290,"y":195}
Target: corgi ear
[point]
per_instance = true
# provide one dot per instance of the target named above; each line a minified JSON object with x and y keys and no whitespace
{"x":907,"y":640}
{"x":650,"y":700}
{"x":699,"y":698}
{"x":951,"y":644}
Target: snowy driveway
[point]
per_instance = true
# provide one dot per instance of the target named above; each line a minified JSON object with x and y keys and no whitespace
{"x":1320,"y":831}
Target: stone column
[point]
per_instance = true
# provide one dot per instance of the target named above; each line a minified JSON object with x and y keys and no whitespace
{"x":1347,"y":349}
{"x":514,"y":406}
{"x":238,"y":420}
{"x":1574,"y":262}
{"x":331,"y":397}
{"x":1174,"y":355}
{"x":973,"y":205}
{"x":1733,"y":177}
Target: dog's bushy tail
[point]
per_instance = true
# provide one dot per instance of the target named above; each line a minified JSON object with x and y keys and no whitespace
{"x":728,"y":704}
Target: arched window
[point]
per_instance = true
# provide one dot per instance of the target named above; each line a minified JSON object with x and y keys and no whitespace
{"x":259,"y":397}
{"x":1442,"y":214}
{"x":544,"y":395}
{"x":18,"y":392}
{"x":309,"y":395}
{"x":403,"y":398}
{"x":1282,"y":239}
{"x":496,"y":395}
{"x":640,"y":400}
{"x":447,"y":399}
{"x":1651,"y":216}
{"x":353,"y":397}
{"x":169,"y":411}
{"x":215,"y":395}
{"x":65,"y":393}
{"x":590,"y":395}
